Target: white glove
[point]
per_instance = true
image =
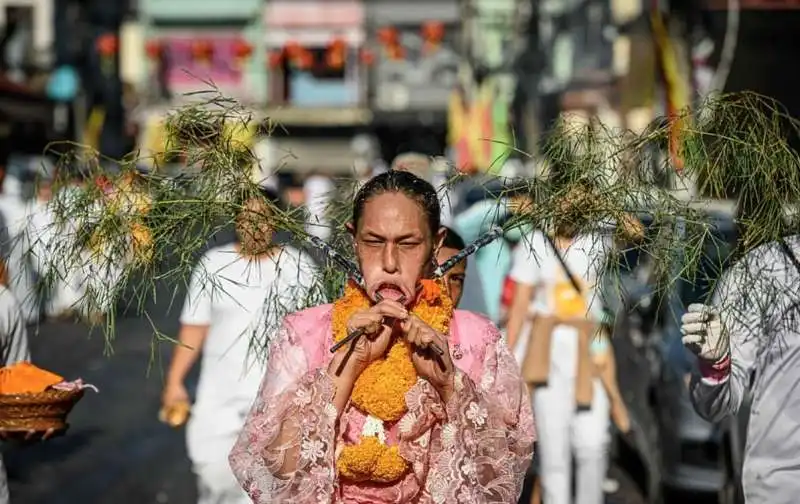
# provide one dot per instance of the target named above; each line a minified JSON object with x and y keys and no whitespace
{"x":704,"y":334}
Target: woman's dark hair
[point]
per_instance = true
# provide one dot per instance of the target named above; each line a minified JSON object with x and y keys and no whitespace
{"x":394,"y":181}
{"x":452,"y":240}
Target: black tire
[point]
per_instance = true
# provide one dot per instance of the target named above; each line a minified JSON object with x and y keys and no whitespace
{"x":731,"y":491}
{"x":640,"y":454}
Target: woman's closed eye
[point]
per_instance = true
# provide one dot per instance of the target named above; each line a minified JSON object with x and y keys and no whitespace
{"x":409,"y":244}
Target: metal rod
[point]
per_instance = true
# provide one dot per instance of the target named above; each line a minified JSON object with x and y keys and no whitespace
{"x":485,"y":239}
{"x":350,"y":267}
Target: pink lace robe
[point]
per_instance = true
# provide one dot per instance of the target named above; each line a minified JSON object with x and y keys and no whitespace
{"x":474,"y":449}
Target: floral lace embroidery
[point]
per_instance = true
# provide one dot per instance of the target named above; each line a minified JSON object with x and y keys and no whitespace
{"x":475,"y":449}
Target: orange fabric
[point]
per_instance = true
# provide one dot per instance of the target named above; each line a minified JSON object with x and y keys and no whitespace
{"x":25,"y":378}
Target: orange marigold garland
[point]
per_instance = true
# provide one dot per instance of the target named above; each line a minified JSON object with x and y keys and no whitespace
{"x":380,"y":391}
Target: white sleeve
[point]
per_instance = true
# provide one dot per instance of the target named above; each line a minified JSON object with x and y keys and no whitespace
{"x":526,"y":264}
{"x":13,"y":334}
{"x":197,"y":306}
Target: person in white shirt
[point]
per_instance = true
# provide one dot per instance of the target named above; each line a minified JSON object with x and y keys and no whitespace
{"x":543,"y":289}
{"x":13,"y":349}
{"x":747,"y":343}
{"x":54,"y":261}
{"x":237,"y":295}
{"x":14,"y":215}
{"x":317,"y":191}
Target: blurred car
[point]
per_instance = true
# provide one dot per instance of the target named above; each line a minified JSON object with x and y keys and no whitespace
{"x":670,"y":446}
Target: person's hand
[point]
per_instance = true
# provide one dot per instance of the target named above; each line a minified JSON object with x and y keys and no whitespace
{"x":30,"y":435}
{"x":174,"y":393}
{"x":377,"y":323}
{"x":437,"y":369}
{"x":175,"y":405}
{"x":704,"y":334}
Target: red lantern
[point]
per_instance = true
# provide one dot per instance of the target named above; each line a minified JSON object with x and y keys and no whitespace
{"x":293,"y":49}
{"x":336,"y":55}
{"x":107,"y":44}
{"x":304,"y":60}
{"x":275,"y":59}
{"x":396,"y":52}
{"x":242,"y":49}
{"x":338,"y":44}
{"x":388,"y":36}
{"x":335,"y":58}
{"x":153,"y":49}
{"x":202,"y":50}
{"x":433,"y":31}
{"x":367,"y":57}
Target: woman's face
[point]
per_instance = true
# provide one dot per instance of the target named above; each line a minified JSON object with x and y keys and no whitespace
{"x":393,"y":244}
{"x":253,"y":227}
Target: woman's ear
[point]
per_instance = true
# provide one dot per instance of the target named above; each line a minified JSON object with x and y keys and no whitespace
{"x":351,"y":230}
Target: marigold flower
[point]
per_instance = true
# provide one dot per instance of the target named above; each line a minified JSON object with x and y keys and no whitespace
{"x":381,"y":388}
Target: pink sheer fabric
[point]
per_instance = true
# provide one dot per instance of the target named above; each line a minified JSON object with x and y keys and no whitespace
{"x":474,"y":449}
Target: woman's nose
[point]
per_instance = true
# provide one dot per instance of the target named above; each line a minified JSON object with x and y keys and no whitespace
{"x":390,"y":258}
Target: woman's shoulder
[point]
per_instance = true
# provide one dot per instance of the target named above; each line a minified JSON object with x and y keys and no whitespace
{"x":309,"y":318}
{"x":477,"y":325}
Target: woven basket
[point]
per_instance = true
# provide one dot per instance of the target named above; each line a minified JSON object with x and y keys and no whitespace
{"x":37,"y":412}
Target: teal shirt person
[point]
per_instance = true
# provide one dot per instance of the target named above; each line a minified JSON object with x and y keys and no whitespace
{"x":493,"y":261}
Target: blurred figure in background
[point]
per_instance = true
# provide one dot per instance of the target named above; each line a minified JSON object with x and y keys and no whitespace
{"x":558,"y":329}
{"x":368,"y":162}
{"x":46,"y":237}
{"x":318,"y":190}
{"x":434,"y":171}
{"x":493,"y":261}
{"x":226,"y":317}
{"x":456,"y":277}
{"x":543,"y":290}
{"x":13,"y":349}
{"x":14,"y":213}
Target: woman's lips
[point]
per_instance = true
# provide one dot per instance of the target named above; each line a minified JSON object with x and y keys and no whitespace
{"x":390,"y":292}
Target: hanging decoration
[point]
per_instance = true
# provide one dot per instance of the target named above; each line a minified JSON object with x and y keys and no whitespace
{"x":432,"y":34}
{"x":275,"y":59}
{"x":107,"y":46}
{"x":298,"y":56}
{"x":678,"y":94}
{"x":336,"y":54}
{"x":154,"y":49}
{"x":305,"y":60}
{"x":242,"y":50}
{"x":389,"y":38}
{"x":202,"y":51}
{"x":396,"y":52}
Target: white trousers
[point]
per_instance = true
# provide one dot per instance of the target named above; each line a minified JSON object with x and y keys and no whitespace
{"x":216,"y":484}
{"x":210,"y":436}
{"x":564,"y":432}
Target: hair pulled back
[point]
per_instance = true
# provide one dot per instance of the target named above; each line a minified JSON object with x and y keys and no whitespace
{"x":398,"y":181}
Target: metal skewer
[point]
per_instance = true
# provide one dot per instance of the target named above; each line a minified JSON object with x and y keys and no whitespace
{"x":485,"y":239}
{"x":334,"y":255}
{"x":362,"y":330}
